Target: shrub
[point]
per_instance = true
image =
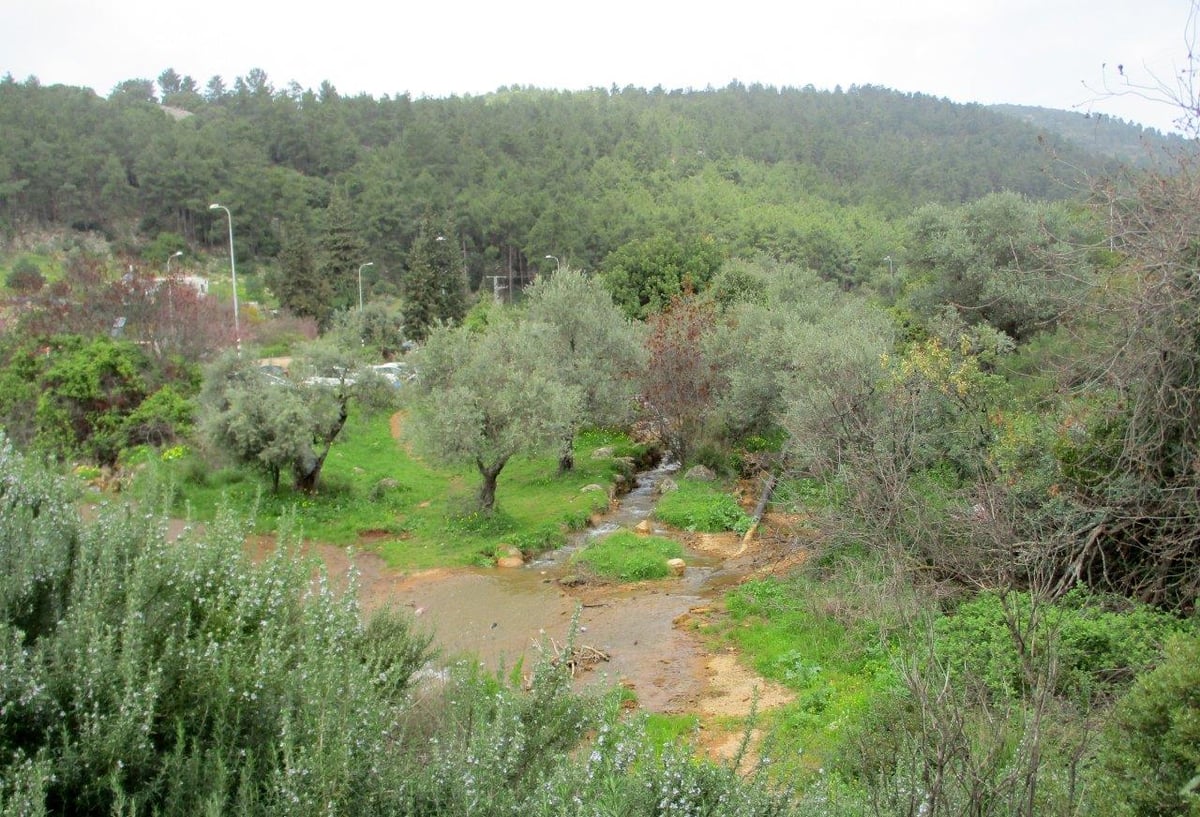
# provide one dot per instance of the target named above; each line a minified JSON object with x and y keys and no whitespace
{"x":628,"y":557}
{"x":25,"y":277}
{"x":1151,"y":763}
{"x":1096,"y":648}
{"x":161,"y":418}
{"x":153,"y":676}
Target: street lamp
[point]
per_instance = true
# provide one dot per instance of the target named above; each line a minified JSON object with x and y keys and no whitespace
{"x":557,"y":263}
{"x":237,"y":326}
{"x":171,"y":288}
{"x":361,"y":267}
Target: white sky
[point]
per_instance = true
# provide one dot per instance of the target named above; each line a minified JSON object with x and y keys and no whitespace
{"x":1033,"y":52}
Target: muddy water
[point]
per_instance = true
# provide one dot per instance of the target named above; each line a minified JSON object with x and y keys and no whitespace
{"x":500,"y":617}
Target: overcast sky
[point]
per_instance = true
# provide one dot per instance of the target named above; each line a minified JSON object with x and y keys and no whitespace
{"x":1049,"y":53}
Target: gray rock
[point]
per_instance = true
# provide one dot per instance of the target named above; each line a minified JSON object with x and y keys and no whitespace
{"x":666,"y":486}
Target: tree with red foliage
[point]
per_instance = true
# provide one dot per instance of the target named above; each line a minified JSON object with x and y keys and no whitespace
{"x":680,"y":385}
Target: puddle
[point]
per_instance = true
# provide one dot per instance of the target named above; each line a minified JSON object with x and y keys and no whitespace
{"x":501,"y":616}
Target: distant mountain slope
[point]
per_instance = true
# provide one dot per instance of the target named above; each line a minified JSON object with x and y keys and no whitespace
{"x":804,"y":175}
{"x":1100,"y":134}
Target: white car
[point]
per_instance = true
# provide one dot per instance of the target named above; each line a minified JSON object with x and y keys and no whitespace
{"x":396,"y":373}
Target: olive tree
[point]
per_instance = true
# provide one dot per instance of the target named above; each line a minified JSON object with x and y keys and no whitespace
{"x":1002,"y":259}
{"x":754,"y":345}
{"x":483,"y":397}
{"x":592,"y":348}
{"x":286,"y":423}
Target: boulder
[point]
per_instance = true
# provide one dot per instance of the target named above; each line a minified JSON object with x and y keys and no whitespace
{"x":383,"y":487}
{"x":677,"y":566}
{"x":603,"y":452}
{"x":645,"y":527}
{"x":700,"y":473}
{"x":511,"y":559}
{"x":665,"y":486}
{"x":592,"y":487}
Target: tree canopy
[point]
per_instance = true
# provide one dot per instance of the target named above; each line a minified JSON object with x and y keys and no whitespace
{"x":486,"y":396}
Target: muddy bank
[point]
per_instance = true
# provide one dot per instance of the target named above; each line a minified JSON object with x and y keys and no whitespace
{"x":648,"y":630}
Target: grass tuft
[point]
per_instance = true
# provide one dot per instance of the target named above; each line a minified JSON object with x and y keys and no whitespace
{"x":628,"y":557}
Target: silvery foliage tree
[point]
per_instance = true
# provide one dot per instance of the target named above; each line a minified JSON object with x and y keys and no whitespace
{"x":592,"y":348}
{"x":767,"y":306}
{"x":484,"y":397}
{"x":289,"y":423}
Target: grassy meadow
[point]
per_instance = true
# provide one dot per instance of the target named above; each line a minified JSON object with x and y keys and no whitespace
{"x":377,"y":495}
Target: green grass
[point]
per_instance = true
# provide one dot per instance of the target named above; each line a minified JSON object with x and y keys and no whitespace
{"x":377,"y":496}
{"x":808,"y":493}
{"x":667,"y":730}
{"x":629,"y":557}
{"x":702,"y":506}
{"x":835,"y":665}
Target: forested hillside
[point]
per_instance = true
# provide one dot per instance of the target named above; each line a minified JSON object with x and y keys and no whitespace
{"x":1098,"y":133}
{"x":805,"y":175}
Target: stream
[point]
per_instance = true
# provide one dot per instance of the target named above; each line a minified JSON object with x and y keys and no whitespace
{"x":499,"y":616}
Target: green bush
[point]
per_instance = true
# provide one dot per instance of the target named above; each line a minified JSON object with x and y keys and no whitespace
{"x":154,"y":676}
{"x":628,"y":557}
{"x":714,"y":458}
{"x":1094,"y":647}
{"x":25,"y":277}
{"x":699,"y":506}
{"x":162,"y":418}
{"x":1151,"y":762}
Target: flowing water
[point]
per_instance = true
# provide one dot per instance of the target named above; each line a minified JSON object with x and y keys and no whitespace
{"x":500,"y":616}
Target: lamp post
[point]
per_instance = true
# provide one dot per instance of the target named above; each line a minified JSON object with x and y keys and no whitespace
{"x":557,"y":263}
{"x":171,"y":289}
{"x":361,"y":267}
{"x":237,"y":326}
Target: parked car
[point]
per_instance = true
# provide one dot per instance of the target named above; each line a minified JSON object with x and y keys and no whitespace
{"x":396,"y":372}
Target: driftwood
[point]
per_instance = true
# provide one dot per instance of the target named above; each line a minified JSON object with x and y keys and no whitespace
{"x":575,"y":657}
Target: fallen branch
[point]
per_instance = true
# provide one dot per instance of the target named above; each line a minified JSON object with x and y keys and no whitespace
{"x":759,"y":511}
{"x":575,"y":658}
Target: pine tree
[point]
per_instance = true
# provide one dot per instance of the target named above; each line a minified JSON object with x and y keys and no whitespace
{"x":300,"y":287}
{"x":342,"y":252}
{"x":435,"y":286}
